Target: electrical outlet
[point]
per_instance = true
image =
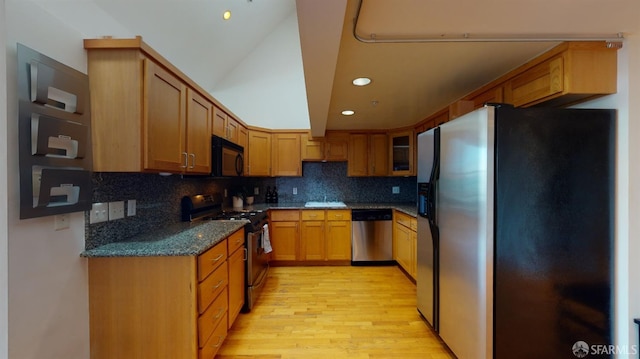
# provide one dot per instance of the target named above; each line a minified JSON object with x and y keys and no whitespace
{"x":116,"y":210}
{"x":395,"y":189}
{"x":295,"y":190}
{"x":99,"y":213}
{"x":131,"y":207}
{"x":61,"y":221}
{"x":256,"y":190}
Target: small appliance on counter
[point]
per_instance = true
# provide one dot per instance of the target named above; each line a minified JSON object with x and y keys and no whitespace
{"x":209,"y":207}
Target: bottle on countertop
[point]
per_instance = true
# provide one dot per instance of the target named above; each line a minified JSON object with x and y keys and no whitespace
{"x":274,"y":197}
{"x":268,"y":197}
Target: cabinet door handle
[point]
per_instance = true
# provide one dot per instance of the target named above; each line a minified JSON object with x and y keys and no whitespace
{"x":186,"y":160}
{"x":218,"y":315}
{"x":218,"y":284}
{"x":218,"y":343}
{"x":216,"y":258}
{"x":246,"y":254}
{"x":193,"y":163}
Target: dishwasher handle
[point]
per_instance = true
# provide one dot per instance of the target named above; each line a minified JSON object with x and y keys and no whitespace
{"x":376,"y":214}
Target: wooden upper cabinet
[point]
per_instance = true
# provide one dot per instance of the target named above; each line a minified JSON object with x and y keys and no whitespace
{"x":492,"y":95}
{"x":199,"y":111}
{"x":368,"y":155}
{"x":358,"y":164}
{"x":145,"y":118}
{"x":402,"y":153}
{"x":332,"y":147}
{"x":311,"y":149}
{"x":243,"y":140}
{"x":336,"y":146}
{"x":286,"y":154}
{"x":233,"y":128}
{"x":219,"y":127}
{"x":225,"y":126}
{"x":378,"y":154}
{"x":164,"y":120}
{"x":257,"y":155}
{"x":543,"y":80}
{"x":579,"y":72}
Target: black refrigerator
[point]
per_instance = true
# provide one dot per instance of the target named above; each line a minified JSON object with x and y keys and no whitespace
{"x":524,"y":207}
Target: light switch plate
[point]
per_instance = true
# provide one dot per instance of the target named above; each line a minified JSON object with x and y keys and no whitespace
{"x":116,"y":210}
{"x":131,"y":207}
{"x":61,"y":221}
{"x":99,"y":213}
{"x":395,"y":189}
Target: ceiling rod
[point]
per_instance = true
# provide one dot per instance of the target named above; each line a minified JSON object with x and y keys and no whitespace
{"x":613,"y":39}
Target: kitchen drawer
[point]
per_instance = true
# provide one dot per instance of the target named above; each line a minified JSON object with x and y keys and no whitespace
{"x":235,"y":241}
{"x":211,"y":347}
{"x":313,"y":215}
{"x":209,"y":289}
{"x":287,"y":215}
{"x":403,"y":219}
{"x":211,"y":259}
{"x":339,"y":215}
{"x":208,"y":321}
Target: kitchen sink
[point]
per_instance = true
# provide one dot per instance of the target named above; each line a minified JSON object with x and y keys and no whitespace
{"x":325,"y":204}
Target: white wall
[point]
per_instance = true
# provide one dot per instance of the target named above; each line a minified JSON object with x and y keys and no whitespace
{"x":47,"y":282}
{"x":4,"y":233}
{"x":275,"y":65}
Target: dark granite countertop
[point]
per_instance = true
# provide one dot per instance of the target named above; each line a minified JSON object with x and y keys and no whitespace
{"x":182,"y":239}
{"x":193,"y":238}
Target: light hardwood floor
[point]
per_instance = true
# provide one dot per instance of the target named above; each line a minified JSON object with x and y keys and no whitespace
{"x":334,"y":312}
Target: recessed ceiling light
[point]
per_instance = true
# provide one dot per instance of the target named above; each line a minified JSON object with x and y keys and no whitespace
{"x":362,"y":81}
{"x":226,"y":15}
{"x":348,"y":112}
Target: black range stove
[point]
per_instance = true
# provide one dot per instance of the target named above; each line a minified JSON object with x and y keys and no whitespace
{"x":209,"y":207}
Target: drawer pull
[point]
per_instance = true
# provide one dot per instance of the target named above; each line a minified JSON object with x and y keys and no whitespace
{"x":217,"y":316}
{"x":338,"y":216}
{"x":220,"y":339}
{"x":216,"y":258}
{"x":218,"y":285}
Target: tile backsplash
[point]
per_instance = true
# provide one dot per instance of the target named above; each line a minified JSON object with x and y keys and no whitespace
{"x":330,"y":179}
{"x":158,"y":197}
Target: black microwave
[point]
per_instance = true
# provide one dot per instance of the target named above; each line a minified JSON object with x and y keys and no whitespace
{"x":227,"y":158}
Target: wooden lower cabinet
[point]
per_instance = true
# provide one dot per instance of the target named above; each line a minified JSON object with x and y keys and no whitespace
{"x":312,"y":235}
{"x":284,"y":234}
{"x":324,"y":236}
{"x":164,"y":306}
{"x":404,"y":242}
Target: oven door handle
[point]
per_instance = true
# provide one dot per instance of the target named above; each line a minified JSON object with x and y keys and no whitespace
{"x":263,"y":277}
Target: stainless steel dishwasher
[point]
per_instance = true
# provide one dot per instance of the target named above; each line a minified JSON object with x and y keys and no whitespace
{"x":371,"y":242}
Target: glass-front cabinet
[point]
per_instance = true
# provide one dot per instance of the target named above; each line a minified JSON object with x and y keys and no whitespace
{"x":402,"y":153}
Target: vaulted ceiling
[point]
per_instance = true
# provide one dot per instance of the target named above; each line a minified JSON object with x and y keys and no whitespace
{"x":289,"y":64}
